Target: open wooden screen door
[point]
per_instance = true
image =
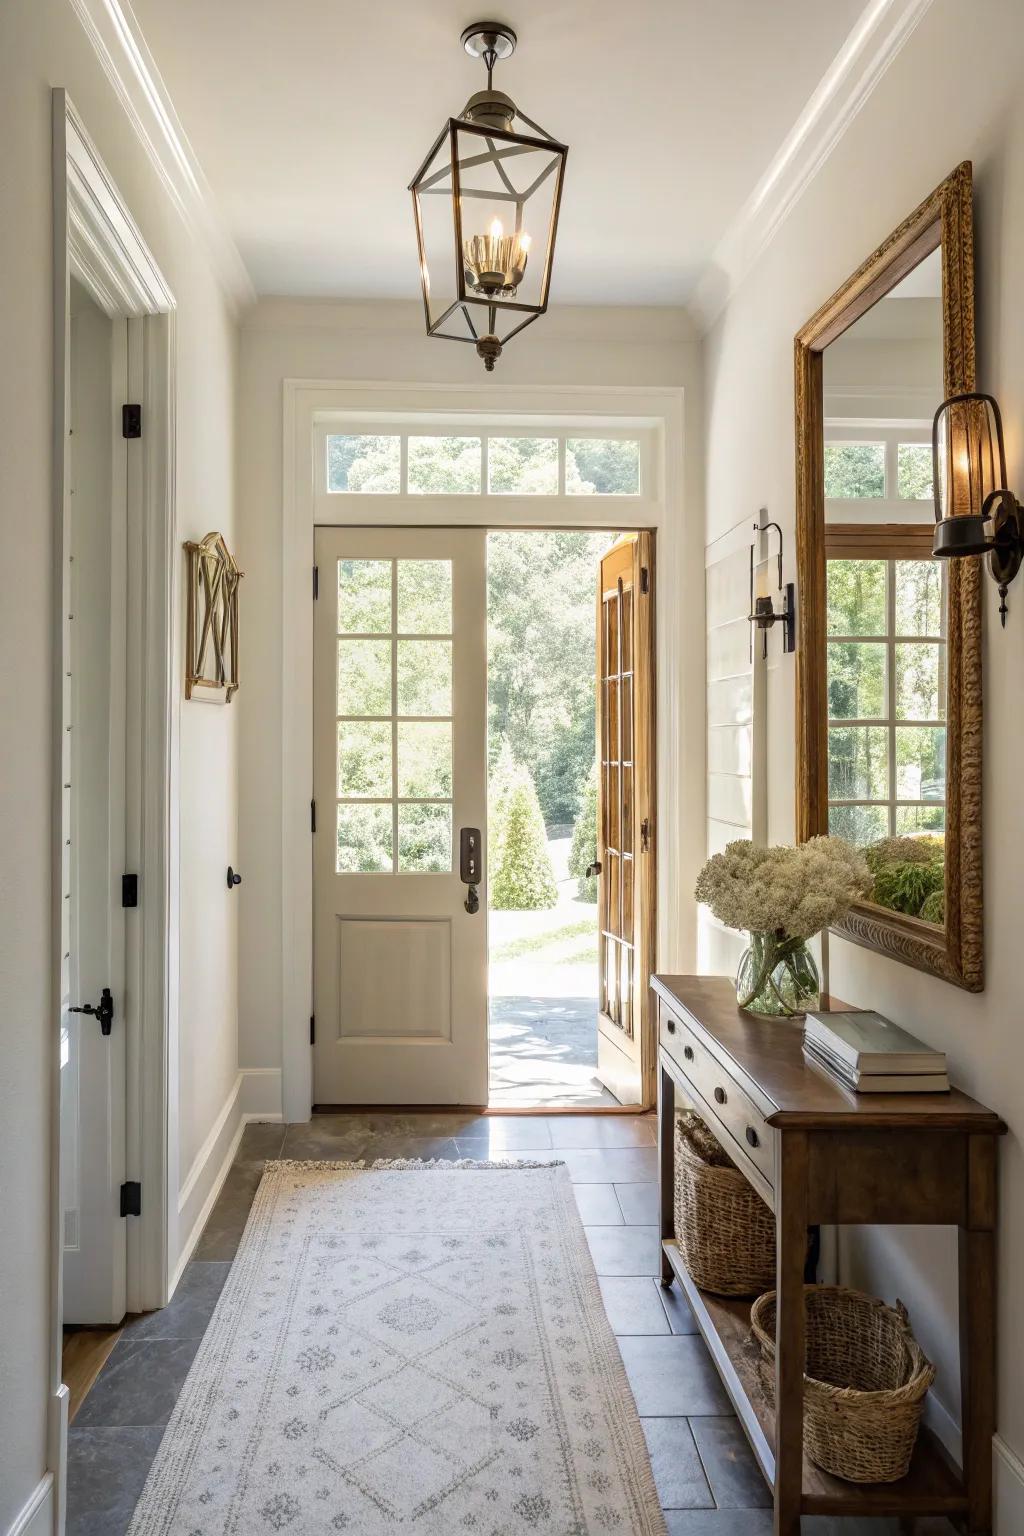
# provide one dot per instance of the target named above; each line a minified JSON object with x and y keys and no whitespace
{"x":625,"y":840}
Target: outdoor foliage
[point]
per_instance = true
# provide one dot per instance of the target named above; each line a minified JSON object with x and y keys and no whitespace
{"x":540,"y":611}
{"x":522,"y":879}
{"x":584,"y":840}
{"x":909,"y":875}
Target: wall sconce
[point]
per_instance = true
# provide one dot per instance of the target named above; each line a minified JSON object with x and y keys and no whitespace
{"x":975,"y":514}
{"x":762,"y":607}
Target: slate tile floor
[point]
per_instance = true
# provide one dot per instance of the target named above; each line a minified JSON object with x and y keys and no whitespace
{"x":705,"y":1473}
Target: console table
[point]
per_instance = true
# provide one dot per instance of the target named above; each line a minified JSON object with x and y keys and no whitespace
{"x":819,"y":1154}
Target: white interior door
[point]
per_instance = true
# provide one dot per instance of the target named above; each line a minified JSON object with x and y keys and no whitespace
{"x":400,"y":754}
{"x":93,"y":821}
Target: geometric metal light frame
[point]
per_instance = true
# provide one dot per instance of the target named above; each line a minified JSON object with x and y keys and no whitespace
{"x":463,"y":154}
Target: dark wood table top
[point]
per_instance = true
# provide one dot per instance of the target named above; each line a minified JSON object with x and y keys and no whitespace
{"x":770,"y":1053}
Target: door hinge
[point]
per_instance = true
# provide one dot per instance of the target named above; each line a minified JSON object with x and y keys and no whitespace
{"x":312,"y":815}
{"x":131,"y":1199}
{"x":316,"y":582}
{"x":129,"y":890}
{"x":645,"y":580}
{"x":131,"y":421}
{"x":312,"y":1029}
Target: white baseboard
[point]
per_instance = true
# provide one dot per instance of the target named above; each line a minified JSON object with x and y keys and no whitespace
{"x":255,"y":1096}
{"x":1008,"y":1476}
{"x":945,"y":1427}
{"x":261,"y":1093}
{"x":36,"y":1517}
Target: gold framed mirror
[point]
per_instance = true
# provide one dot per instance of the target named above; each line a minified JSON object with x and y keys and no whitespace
{"x":889,"y":688}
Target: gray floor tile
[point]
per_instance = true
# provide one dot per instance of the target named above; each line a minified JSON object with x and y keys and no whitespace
{"x":190,"y":1308}
{"x":729,"y":1463}
{"x":632,"y":1304}
{"x":672,"y":1375}
{"x":640,"y":1204}
{"x":426,"y":1148}
{"x":678,"y":1473}
{"x":597,"y":1205}
{"x":614,"y":1165}
{"x":677,"y":1309}
{"x":106,"y":1472}
{"x":223,"y":1230}
{"x":501,"y":1132}
{"x":589,"y":1131}
{"x":139,"y":1384}
{"x":341,"y":1137}
{"x":720,"y":1522}
{"x":260,"y":1140}
{"x":625,"y":1250}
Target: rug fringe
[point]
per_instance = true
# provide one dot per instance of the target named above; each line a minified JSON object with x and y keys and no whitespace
{"x":408,"y":1164}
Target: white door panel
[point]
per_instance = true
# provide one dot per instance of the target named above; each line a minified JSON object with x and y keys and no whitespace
{"x":93,"y":763}
{"x":400,"y":751}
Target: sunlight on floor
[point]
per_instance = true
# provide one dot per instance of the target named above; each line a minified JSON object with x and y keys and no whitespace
{"x":543,"y":1000}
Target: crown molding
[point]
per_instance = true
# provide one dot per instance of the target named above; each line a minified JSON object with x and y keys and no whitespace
{"x":117,"y":40}
{"x":881,"y":31}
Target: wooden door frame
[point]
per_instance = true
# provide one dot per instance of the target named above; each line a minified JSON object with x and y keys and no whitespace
{"x":645,"y":804}
{"x":679,"y":669}
{"x":96,"y":241}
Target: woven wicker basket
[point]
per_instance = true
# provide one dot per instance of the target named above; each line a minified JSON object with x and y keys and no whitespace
{"x":864,"y":1384}
{"x":725,"y":1232}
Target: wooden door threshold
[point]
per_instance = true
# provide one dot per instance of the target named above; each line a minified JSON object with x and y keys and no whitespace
{"x":479,"y":1109}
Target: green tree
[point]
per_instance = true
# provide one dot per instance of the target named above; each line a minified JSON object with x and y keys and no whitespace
{"x":583,"y":852}
{"x":541,"y":593}
{"x":522,"y":879}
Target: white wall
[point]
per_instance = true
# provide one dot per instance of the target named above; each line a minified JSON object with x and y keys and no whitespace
{"x":41,"y":46}
{"x":952,"y":94}
{"x":324,"y":341}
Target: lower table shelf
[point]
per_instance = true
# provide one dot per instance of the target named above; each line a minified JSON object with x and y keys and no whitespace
{"x":933,"y":1486}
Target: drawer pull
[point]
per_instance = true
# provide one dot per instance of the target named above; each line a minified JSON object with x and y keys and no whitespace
{"x":670,"y":1025}
{"x":688,"y":1052}
{"x":752,"y":1137}
{"x":720,"y":1095}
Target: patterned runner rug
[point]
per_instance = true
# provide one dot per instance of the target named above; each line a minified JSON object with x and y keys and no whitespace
{"x":418,"y":1346}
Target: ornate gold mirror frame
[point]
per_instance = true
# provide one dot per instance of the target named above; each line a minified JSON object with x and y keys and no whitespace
{"x":211,"y":622}
{"x":955,"y":952}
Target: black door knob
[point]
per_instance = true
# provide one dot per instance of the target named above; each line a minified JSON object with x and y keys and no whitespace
{"x":688,"y":1052}
{"x":752,"y":1137}
{"x":103,"y":1011}
{"x":670,"y":1025}
{"x":234,"y":878}
{"x":719,"y":1095}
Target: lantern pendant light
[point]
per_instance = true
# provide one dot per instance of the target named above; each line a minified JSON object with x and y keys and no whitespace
{"x":486,"y":202}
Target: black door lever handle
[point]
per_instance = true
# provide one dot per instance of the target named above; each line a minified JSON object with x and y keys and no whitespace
{"x":103,"y":1010}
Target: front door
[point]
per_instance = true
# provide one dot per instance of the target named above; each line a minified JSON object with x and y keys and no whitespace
{"x":399,"y":782}
{"x":625,"y":841}
{"x":93,"y":1082}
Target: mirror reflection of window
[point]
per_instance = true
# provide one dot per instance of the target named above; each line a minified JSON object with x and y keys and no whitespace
{"x":886,"y":639}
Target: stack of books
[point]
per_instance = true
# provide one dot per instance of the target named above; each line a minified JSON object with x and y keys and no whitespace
{"x":868,"y":1054}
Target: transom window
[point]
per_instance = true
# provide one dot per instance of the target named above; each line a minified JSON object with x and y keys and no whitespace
{"x":880,"y":464}
{"x":887,"y":683}
{"x":394,"y":716}
{"x":481,"y":463}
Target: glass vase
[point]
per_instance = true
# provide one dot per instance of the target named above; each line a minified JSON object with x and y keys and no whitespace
{"x":777,"y":977}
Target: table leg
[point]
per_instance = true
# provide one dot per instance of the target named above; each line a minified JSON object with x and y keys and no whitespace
{"x":791,"y":1242}
{"x":978,"y":1332}
{"x":666,"y":1164}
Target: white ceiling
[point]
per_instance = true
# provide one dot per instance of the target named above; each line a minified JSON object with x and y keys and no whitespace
{"x":309,"y":118}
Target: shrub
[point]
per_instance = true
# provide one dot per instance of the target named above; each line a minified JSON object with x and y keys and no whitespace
{"x":905,"y":887}
{"x":522,"y":878}
{"x":934,"y":909}
{"x":584,"y":840}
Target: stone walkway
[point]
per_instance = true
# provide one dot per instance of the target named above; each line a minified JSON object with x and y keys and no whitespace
{"x":544,"y":1052}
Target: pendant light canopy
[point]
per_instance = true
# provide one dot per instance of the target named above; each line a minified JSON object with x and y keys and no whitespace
{"x":486,"y":201}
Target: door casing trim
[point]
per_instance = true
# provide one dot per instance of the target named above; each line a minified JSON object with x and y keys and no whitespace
{"x":680,"y":666}
{"x":96,"y":240}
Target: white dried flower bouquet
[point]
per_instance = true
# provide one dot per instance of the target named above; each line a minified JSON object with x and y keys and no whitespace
{"x":782,"y":896}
